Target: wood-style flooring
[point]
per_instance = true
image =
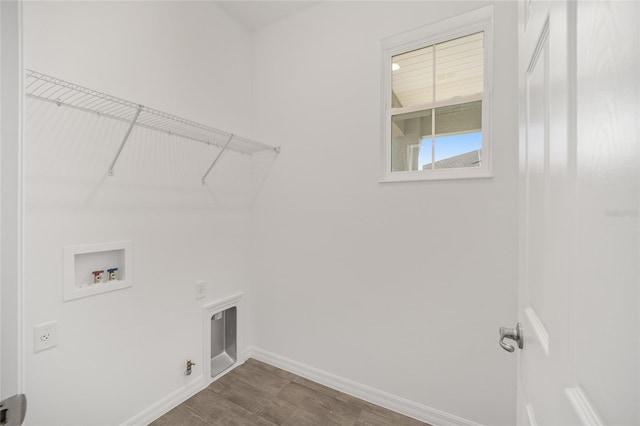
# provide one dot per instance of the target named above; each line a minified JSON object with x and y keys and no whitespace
{"x":259,"y":394}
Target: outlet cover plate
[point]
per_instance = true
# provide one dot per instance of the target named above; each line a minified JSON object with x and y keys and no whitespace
{"x":201,"y":291}
{"x":45,"y":336}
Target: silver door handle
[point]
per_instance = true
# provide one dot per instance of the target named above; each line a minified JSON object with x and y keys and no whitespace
{"x":514,"y":334}
{"x":12,"y":410}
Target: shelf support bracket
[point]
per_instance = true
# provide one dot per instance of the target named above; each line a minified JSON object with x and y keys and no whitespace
{"x":224,"y":148}
{"x":124,"y":140}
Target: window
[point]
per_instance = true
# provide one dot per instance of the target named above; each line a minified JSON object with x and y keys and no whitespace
{"x":436,"y":94}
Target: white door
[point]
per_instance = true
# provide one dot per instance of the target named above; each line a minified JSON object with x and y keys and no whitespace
{"x":11,"y":410}
{"x":579,"y":233}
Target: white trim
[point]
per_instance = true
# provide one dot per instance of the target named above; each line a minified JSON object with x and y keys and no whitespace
{"x":437,"y":104}
{"x":171,"y":401}
{"x":531,"y":417}
{"x":207,"y":312}
{"x":465,"y":24}
{"x":437,"y":174}
{"x":198,"y":384}
{"x":12,"y":364}
{"x":166,"y":404}
{"x":538,"y":327}
{"x":437,"y":32}
{"x":375,"y":396}
{"x":583,"y":407}
{"x":542,"y":41}
{"x":75,"y":281}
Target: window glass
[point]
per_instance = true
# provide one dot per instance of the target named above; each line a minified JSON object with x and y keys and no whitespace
{"x":460,"y":67}
{"x":457,"y":69}
{"x":462,"y":150}
{"x":437,"y":100}
{"x":408,"y":133}
{"x":413,"y":78}
{"x":458,"y":141}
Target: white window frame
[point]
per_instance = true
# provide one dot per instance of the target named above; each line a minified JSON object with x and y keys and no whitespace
{"x":479,"y":20}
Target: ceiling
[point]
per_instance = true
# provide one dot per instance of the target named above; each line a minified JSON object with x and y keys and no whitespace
{"x":254,"y":15}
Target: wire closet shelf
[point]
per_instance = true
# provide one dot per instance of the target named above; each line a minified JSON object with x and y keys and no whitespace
{"x":60,"y":92}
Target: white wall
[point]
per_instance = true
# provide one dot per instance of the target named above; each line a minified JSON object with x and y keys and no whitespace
{"x":400,"y":287}
{"x":121,"y":352}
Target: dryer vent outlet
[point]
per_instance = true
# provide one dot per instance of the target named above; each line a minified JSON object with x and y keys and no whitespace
{"x":223,"y":340}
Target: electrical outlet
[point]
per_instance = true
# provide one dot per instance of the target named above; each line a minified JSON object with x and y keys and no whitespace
{"x":201,"y":292}
{"x":45,"y":336}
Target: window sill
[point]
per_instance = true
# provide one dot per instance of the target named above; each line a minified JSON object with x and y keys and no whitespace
{"x":444,"y":174}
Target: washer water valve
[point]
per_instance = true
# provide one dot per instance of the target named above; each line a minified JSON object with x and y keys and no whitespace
{"x":113,"y":274}
{"x":189,"y":365}
{"x":97,"y":277}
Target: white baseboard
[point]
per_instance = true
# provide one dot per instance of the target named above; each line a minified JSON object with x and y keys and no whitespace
{"x":167,"y":403}
{"x":375,"y":396}
{"x":176,"y":398}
